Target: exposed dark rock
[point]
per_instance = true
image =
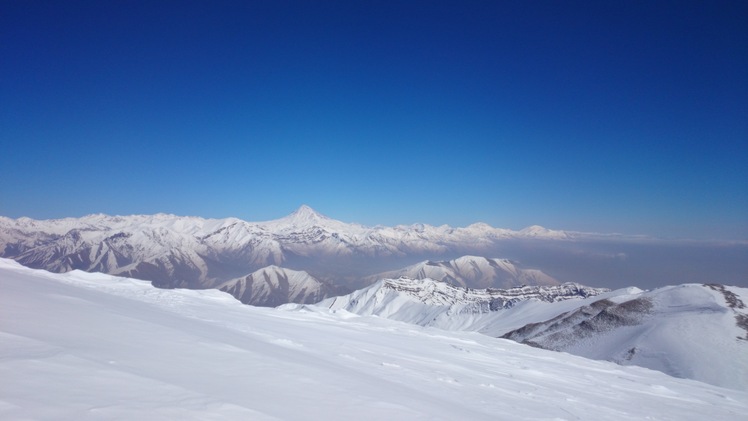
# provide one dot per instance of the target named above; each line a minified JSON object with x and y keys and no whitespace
{"x":734,"y":302}
{"x":600,"y":316}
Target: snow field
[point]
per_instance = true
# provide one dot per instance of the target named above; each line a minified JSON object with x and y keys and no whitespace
{"x":91,"y":346}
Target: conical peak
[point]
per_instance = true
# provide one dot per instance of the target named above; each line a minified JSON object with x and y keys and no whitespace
{"x":305,"y":215}
{"x":305,"y":210}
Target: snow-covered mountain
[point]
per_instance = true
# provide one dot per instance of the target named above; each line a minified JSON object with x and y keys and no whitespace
{"x":693,"y":331}
{"x":162,"y":248}
{"x":472,"y":272}
{"x":191,"y":252}
{"x":272,"y":286}
{"x":427,"y":302}
{"x":93,"y":346}
{"x":538,"y":231}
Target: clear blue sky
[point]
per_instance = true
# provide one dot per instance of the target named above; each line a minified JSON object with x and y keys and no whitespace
{"x":604,"y":116}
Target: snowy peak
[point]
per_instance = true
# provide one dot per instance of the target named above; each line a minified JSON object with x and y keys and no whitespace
{"x":303,"y":217}
{"x":306,"y":231}
{"x":473,"y":272}
{"x":538,"y":231}
{"x":274,"y":285}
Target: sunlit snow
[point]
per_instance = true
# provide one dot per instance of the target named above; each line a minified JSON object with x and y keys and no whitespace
{"x":92,"y":346}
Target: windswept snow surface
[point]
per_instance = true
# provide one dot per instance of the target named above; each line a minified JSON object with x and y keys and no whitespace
{"x":92,"y":346}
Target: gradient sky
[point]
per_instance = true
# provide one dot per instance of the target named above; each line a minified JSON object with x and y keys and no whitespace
{"x":627,"y":117}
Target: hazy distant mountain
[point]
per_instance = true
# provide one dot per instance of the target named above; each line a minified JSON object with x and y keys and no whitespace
{"x":191,"y":252}
{"x":273,"y":285}
{"x":472,"y":272}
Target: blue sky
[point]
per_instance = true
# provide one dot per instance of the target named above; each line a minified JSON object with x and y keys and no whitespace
{"x":628,"y":117}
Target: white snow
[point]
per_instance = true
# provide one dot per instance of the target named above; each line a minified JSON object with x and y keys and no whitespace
{"x":118,"y":244}
{"x":472,"y":272}
{"x":690,"y":331}
{"x":276,"y":284}
{"x":426,"y":302}
{"x":92,"y":346}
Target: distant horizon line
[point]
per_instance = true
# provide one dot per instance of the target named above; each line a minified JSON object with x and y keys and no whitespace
{"x":309,"y":210}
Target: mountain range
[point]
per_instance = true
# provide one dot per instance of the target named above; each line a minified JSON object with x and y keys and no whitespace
{"x":307,"y":258}
{"x":196,"y":253}
{"x":472,"y":272}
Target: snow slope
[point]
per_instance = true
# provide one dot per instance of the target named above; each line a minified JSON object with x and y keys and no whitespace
{"x":472,"y":272}
{"x":692,"y":331}
{"x":92,"y":346}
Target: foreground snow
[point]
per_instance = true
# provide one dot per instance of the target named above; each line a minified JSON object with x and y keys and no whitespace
{"x":81,"y":345}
